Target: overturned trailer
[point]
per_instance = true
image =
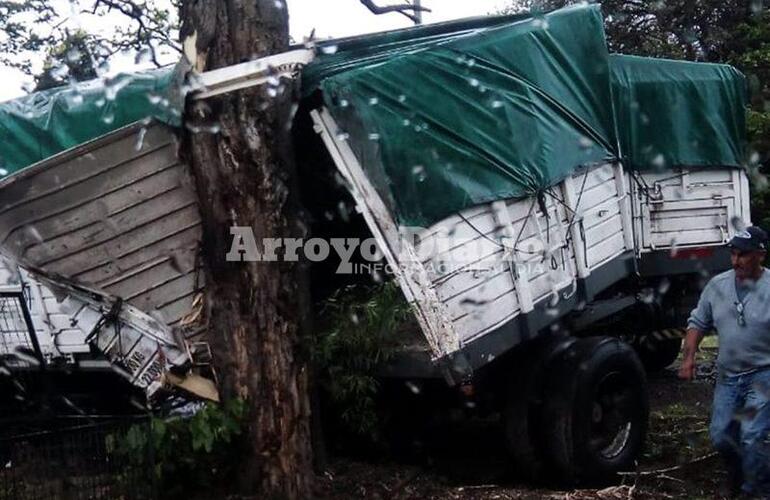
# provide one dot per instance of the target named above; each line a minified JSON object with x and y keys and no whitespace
{"x":517,"y":177}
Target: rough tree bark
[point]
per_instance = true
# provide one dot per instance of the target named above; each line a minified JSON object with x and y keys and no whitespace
{"x":245,"y":177}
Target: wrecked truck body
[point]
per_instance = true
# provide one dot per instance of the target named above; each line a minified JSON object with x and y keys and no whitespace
{"x":547,"y":208}
{"x":517,"y":177}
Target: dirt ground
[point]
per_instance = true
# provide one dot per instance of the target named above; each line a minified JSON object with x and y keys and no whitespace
{"x":470,"y":462}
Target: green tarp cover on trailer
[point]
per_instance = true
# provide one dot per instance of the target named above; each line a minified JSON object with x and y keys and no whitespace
{"x":496,"y":112}
{"x":678,"y":113}
{"x":40,"y":125}
{"x":444,"y":117}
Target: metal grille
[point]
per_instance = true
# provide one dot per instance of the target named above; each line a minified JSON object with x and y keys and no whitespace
{"x":76,"y":461}
{"x":15,"y":331}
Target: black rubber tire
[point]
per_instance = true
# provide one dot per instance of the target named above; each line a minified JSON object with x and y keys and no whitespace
{"x":523,"y":407}
{"x":596,"y":411}
{"x":657,"y":355}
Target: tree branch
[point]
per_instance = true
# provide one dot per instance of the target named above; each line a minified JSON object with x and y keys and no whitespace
{"x":405,"y":9}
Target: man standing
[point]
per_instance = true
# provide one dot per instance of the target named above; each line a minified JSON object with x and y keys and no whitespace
{"x":736,"y":304}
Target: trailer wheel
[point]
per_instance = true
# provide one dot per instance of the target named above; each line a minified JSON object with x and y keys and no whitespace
{"x":657,"y":354}
{"x":523,"y":407}
{"x":596,"y":410}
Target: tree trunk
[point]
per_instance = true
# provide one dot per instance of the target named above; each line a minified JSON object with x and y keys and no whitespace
{"x":238,"y":148}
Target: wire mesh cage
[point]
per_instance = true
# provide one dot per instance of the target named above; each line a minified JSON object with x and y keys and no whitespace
{"x":16,"y":331}
{"x":76,"y":459}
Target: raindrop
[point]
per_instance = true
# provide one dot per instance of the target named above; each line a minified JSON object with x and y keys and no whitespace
{"x":644,"y":118}
{"x":3,"y":171}
{"x":329,"y":49}
{"x":272,"y":92}
{"x":738,"y":224}
{"x":279,"y":4}
{"x":754,"y":158}
{"x":140,"y":139}
{"x":74,"y":55}
{"x":664,"y":286}
{"x":60,"y":72}
{"x":585,"y":142}
{"x":406,"y":122}
{"x":471,"y":63}
{"x":474,"y":82}
{"x":154,"y":98}
{"x":497,"y":104}
{"x":343,"y":136}
{"x":354,"y":318}
{"x":32,"y":230}
{"x":344,"y":103}
{"x":419,"y":172}
{"x":76,"y":98}
{"x":374,"y":136}
{"x":413,"y":387}
{"x":402,"y":98}
{"x":373,"y":101}
{"x":673,"y":244}
{"x":342,"y":209}
{"x":659,"y":161}
{"x":100,"y":103}
{"x":108,"y":118}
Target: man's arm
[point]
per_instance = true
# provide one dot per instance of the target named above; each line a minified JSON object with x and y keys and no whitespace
{"x":691,"y":342}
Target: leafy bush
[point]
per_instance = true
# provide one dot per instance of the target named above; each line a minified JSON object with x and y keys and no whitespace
{"x":360,"y":328}
{"x":188,"y":454}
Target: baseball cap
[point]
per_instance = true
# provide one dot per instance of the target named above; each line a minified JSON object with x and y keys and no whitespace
{"x":750,"y":239}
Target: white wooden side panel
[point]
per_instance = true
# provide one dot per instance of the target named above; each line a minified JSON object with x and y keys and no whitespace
{"x":482,"y":294}
{"x":690,"y":207}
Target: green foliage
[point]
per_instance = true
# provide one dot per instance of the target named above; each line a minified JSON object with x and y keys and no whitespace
{"x":679,"y":29}
{"x":361,"y":326}
{"x":187,"y":453}
{"x":34,"y":29}
{"x":68,"y":61}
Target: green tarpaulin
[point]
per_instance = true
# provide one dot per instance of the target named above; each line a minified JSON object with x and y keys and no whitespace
{"x":37,"y":126}
{"x":444,"y":117}
{"x":678,"y":113}
{"x":496,"y":113}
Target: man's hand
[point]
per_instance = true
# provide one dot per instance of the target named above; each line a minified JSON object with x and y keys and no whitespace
{"x":687,"y":370}
{"x":691,"y":342}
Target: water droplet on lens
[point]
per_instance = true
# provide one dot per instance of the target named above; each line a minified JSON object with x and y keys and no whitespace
{"x":140,"y":139}
{"x":329,"y":49}
{"x":419,"y":172}
{"x":413,"y":387}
